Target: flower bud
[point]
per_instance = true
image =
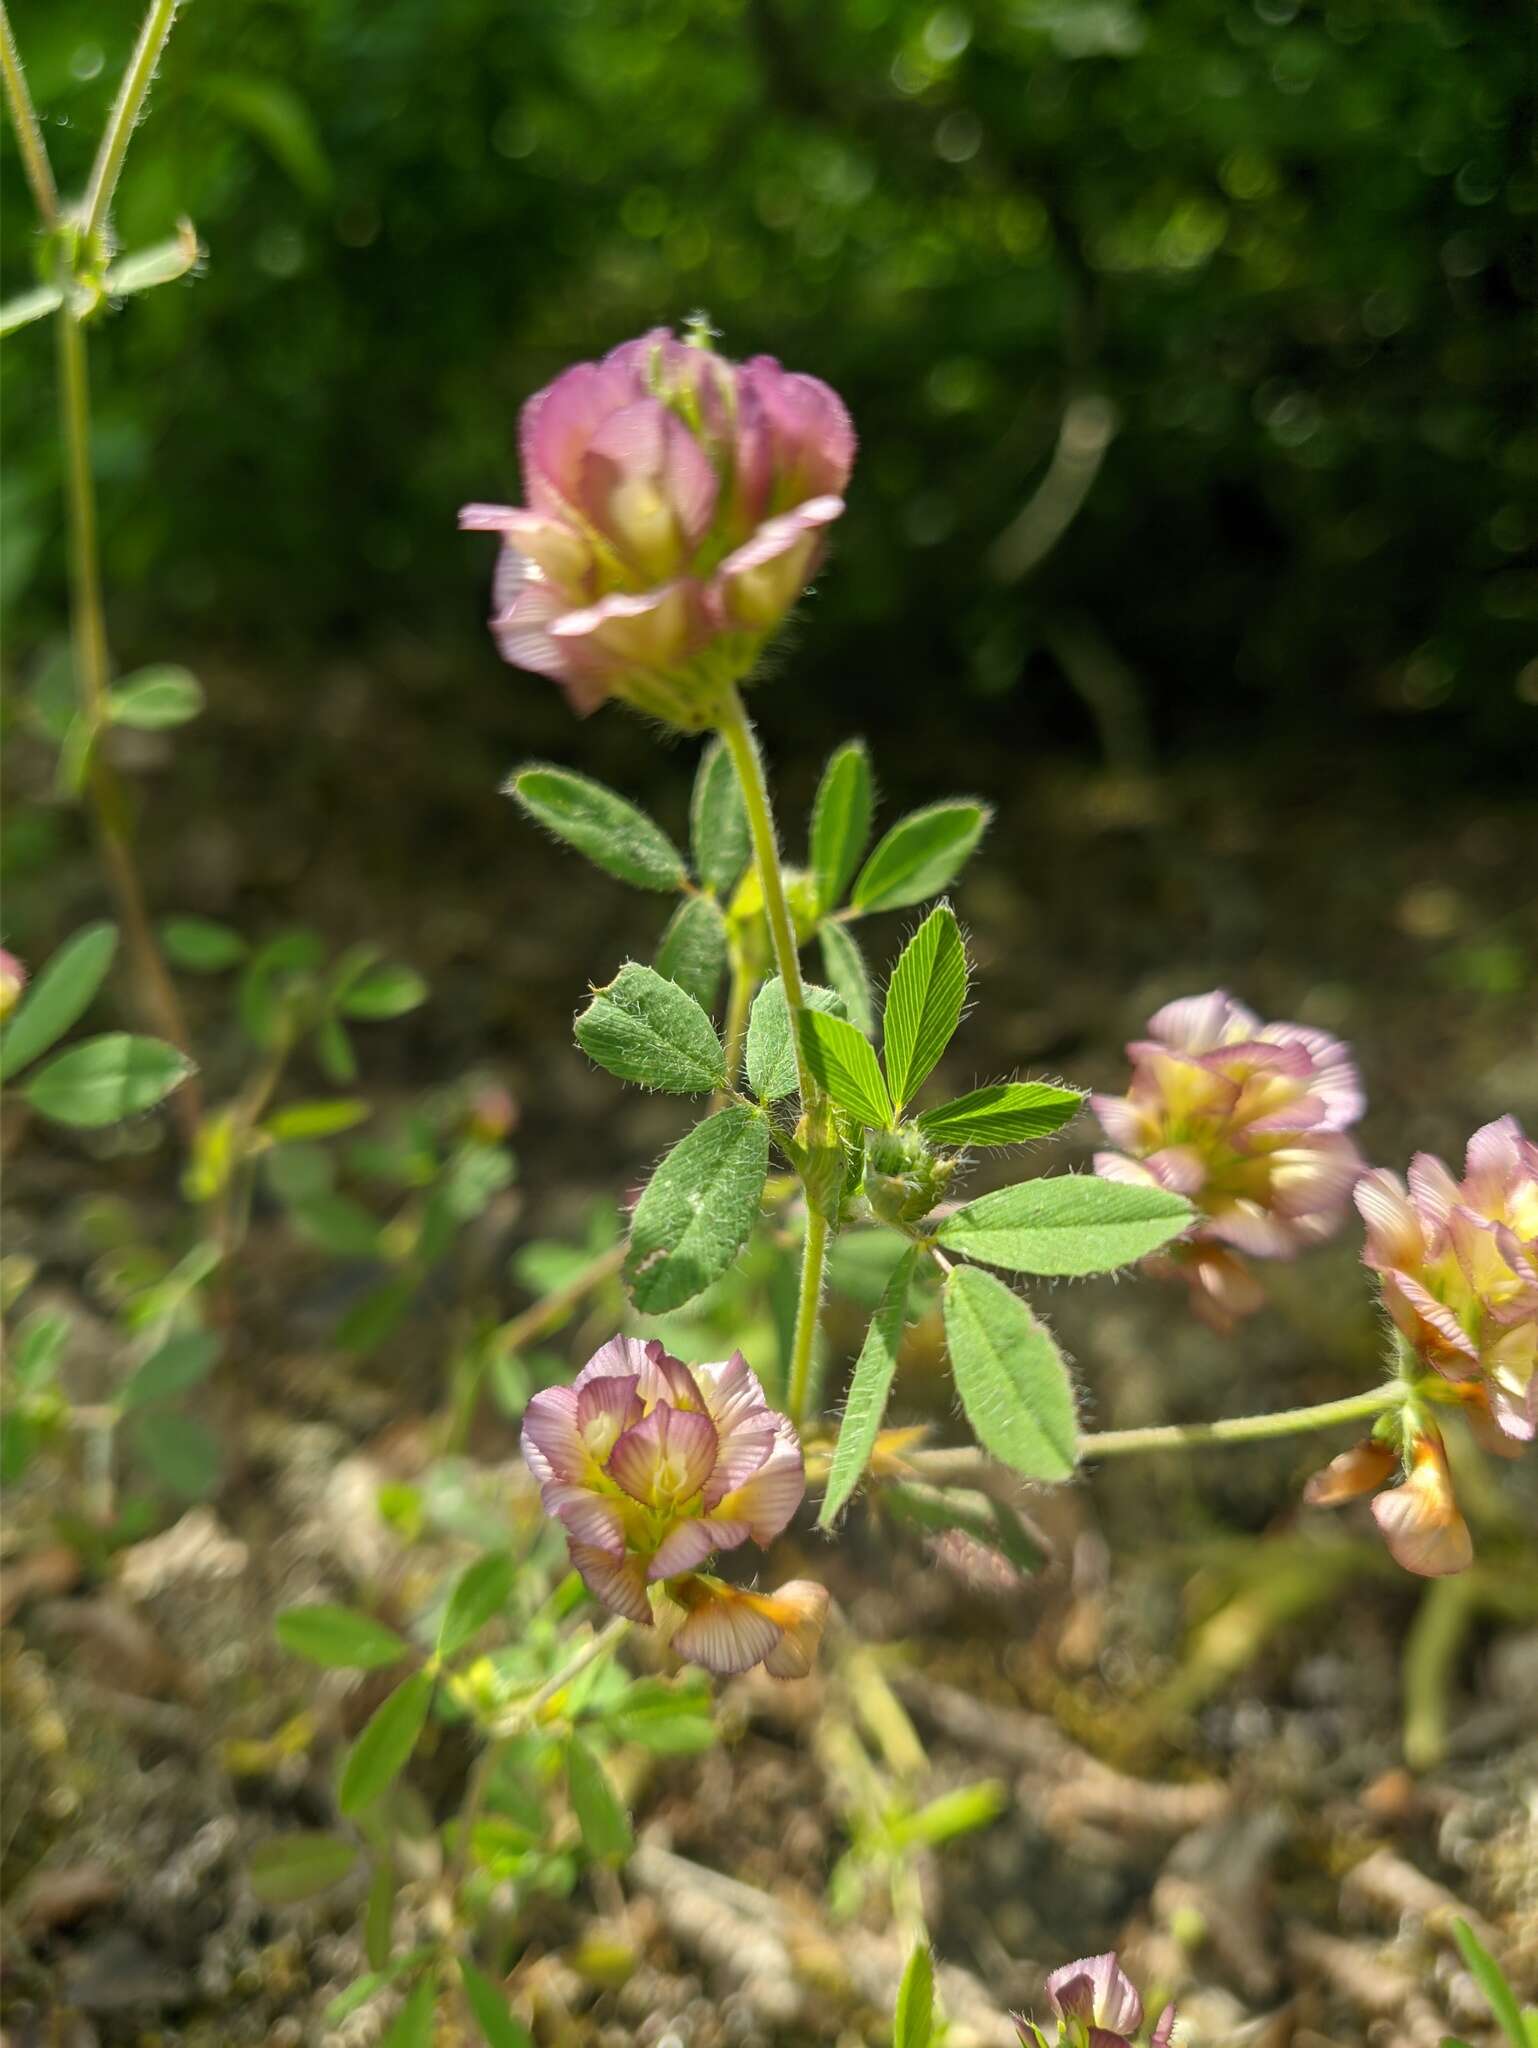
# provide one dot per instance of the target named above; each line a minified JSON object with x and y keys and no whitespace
{"x":1248,"y":1121}
{"x":1420,"y":1520}
{"x":677,"y":508}
{"x":1096,"y":2005}
{"x":13,"y":982}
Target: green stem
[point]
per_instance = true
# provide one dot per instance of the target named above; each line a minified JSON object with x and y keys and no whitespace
{"x":549,"y":1309}
{"x":126,"y":109}
{"x":29,"y":132}
{"x":1240,"y":1429}
{"x":814,"y":1257}
{"x":738,"y":738}
{"x":738,"y":1004}
{"x":157,"y":992}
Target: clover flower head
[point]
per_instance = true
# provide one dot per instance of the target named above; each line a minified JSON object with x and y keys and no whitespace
{"x":678,"y":505}
{"x":1248,"y":1121}
{"x":1457,"y":1263}
{"x":652,"y":1466}
{"x":1096,"y":2006}
{"x":1419,"y":1520}
{"x":13,"y":982}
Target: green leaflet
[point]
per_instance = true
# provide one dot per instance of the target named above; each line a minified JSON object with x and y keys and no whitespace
{"x":613,"y":834}
{"x":841,"y":819}
{"x":61,"y":993}
{"x":154,"y":699}
{"x":1007,"y":1113}
{"x":868,"y":1391}
{"x":924,"y":1001}
{"x":384,"y":1748}
{"x":842,"y":1060}
{"x":697,"y":1210}
{"x":496,"y":2023}
{"x":913,"y":2022}
{"x":600,"y":1814}
{"x":921,"y":855}
{"x":694,"y":948}
{"x":1010,"y":1375}
{"x":481,"y":1592}
{"x":771,"y":1052}
{"x":339,"y":1638}
{"x":285,"y":1868}
{"x":844,"y":965}
{"x":1071,"y":1224}
{"x":718,"y":823}
{"x":647,"y":1029}
{"x":102,"y":1080}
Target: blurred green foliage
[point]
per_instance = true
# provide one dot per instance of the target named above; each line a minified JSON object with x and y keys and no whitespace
{"x":1291,"y":243}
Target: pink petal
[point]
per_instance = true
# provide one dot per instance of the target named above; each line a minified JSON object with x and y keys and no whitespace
{"x":810,"y":436}
{"x":725,"y":1631}
{"x":1436,"y":1316}
{"x":551,"y":1442}
{"x":1199,"y":1023}
{"x":1493,"y":1163}
{"x":668,"y":1379}
{"x":1434,"y":1192}
{"x":647,"y":485}
{"x":688,"y":1544}
{"x":1249,"y":1227}
{"x":606,"y":1408}
{"x":1314,"y":1178}
{"x":620,"y":1358}
{"x":733,"y":1394}
{"x":770,"y":1498}
{"x":1393,"y":1226}
{"x":558,"y":425}
{"x":1096,"y":1989}
{"x":665,"y":1459}
{"x":1161,"y":2034}
{"x":654,"y":629}
{"x":1115,"y":1166}
{"x":1334,"y":1079}
{"x":760,"y":581}
{"x":589,"y":1518}
{"x":801,"y":1609}
{"x":1121,"y":1120}
{"x":617,"y":1583}
{"x":1180,"y":1168}
{"x":1420,"y":1521}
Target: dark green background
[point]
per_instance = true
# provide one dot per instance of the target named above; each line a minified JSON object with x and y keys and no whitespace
{"x":1292,"y":243}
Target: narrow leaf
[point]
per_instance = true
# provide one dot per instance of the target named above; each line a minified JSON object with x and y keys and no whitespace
{"x":1010,"y":1375}
{"x":647,"y":1029}
{"x":482,"y":1592}
{"x":161,"y":263}
{"x":29,"y":306}
{"x":179,"y":1451}
{"x":61,"y":993}
{"x":613,"y":834}
{"x":154,"y":699}
{"x":202,"y":945}
{"x":921,"y":855}
{"x":1491,"y":1980}
{"x":694,"y":948}
{"x":385,"y":991}
{"x":285,"y":1868}
{"x":303,"y":1122}
{"x":718,"y":823}
{"x":1070,"y":1224}
{"x":841,"y":818}
{"x":179,"y":1365}
{"x":413,"y":2025}
{"x":339,"y":1638}
{"x":924,"y":1001}
{"x":496,"y":2023}
{"x":600,"y":1814}
{"x":842,"y":1060}
{"x":106,"y":1079}
{"x":844,"y":965}
{"x":382,"y":1751}
{"x":961,"y":1812}
{"x":913,"y":2022}
{"x":771,"y":1050}
{"x":697,"y":1210}
{"x":868,"y":1391}
{"x":1007,"y":1113}
{"x":337,"y":1224}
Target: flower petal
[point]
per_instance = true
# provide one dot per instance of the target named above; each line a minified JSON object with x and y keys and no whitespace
{"x":1201,"y":1023}
{"x":1393,"y":1225}
{"x":724,"y":1630}
{"x":667,"y":1458}
{"x":588,"y":1518}
{"x":607,"y":1406}
{"x":551,"y":1441}
{"x":1096,"y":1989}
{"x":687,"y":1545}
{"x":801,"y":1609}
{"x":621,"y":1357}
{"x":1362,"y":1469}
{"x":617,"y":1583}
{"x":1420,"y":1521}
{"x":770,"y":1498}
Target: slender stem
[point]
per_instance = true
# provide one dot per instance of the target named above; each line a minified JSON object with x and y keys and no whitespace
{"x":157,"y":992}
{"x":549,"y":1309}
{"x":738,"y":1004}
{"x":1240,"y":1429}
{"x":738,"y":738}
{"x":126,"y":109}
{"x":521,"y":1718}
{"x":29,"y":132}
{"x":814,"y":1258}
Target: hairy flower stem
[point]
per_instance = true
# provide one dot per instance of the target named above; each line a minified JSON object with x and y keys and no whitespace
{"x":29,"y":132}
{"x":1241,"y":1429}
{"x":518,"y":1722}
{"x":126,"y":109}
{"x":157,"y":993}
{"x":738,"y":1003}
{"x":814,"y":1258}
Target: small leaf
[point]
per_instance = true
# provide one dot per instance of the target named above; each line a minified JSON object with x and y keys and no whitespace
{"x":285,"y":1868}
{"x":384,"y":1748}
{"x":913,"y":2022}
{"x":842,"y":1060}
{"x":153,"y":699}
{"x":693,"y":949}
{"x":337,"y":1224}
{"x":482,"y":1592}
{"x":302,"y":1122}
{"x":38,"y":1348}
{"x":771,"y":1051}
{"x":921,"y":855}
{"x":60,"y":995}
{"x":1070,"y":1224}
{"x":613,"y":834}
{"x":339,"y":1638}
{"x":496,"y":2023}
{"x":669,"y":1717}
{"x":868,"y":1391}
{"x":647,"y":1029}
{"x":697,"y":1209}
{"x":202,"y":946}
{"x":180,"y":1364}
{"x":29,"y":306}
{"x":1491,"y":1979}
{"x":602,"y":1818}
{"x":841,"y":818}
{"x":385,"y":991}
{"x":924,"y":1001}
{"x":103,"y":1080}
{"x":181,"y":1453}
{"x":1007,"y":1113}
{"x":413,"y":2025}
{"x":379,"y":1914}
{"x":1010,"y":1375}
{"x":961,"y":1812}
{"x":333,"y":1048}
{"x":718,"y":823}
{"x":844,"y":965}
{"x":141,"y":270}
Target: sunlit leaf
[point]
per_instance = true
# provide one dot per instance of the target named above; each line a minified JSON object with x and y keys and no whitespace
{"x":841,"y":820}
{"x":611,"y":832}
{"x":868,"y":1390}
{"x":102,"y":1080}
{"x":914,"y":2020}
{"x":339,"y":1637}
{"x":924,"y":1001}
{"x":60,"y":995}
{"x":601,"y":1815}
{"x":844,"y":965}
{"x":921,"y":855}
{"x":384,"y":1748}
{"x":697,"y":1209}
{"x":771,"y":1050}
{"x":154,"y":699}
{"x":645,"y":1028}
{"x":842,"y":1060}
{"x":718,"y":822}
{"x":1069,"y":1224}
{"x":693,"y":949}
{"x":1010,"y":1375}
{"x":1005,"y":1113}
